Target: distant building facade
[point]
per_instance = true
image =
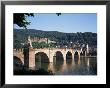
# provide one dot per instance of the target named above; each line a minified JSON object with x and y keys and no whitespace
{"x":39,"y":40}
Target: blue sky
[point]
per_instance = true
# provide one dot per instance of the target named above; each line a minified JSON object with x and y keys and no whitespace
{"x":67,"y":22}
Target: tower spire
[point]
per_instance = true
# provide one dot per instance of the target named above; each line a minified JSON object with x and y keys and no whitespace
{"x":29,"y":41}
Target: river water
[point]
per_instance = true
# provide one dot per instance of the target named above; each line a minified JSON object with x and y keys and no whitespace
{"x":76,"y":66}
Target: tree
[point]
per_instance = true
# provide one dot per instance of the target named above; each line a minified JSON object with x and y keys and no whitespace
{"x":20,"y":19}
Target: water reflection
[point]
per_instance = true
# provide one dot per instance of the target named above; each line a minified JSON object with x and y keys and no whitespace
{"x":88,"y":66}
{"x":76,"y":66}
{"x":77,"y":60}
{"x":58,"y":65}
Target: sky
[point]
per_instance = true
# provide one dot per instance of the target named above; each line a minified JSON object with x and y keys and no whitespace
{"x":66,"y":22}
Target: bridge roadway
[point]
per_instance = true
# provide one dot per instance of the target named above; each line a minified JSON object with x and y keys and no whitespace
{"x":50,"y":52}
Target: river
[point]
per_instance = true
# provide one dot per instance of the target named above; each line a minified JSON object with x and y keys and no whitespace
{"x":76,"y":66}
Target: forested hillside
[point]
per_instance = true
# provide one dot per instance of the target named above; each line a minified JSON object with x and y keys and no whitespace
{"x":20,"y":36}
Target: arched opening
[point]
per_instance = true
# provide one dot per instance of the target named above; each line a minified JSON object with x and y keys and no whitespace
{"x":76,"y":57}
{"x":76,"y":53}
{"x":59,"y":56}
{"x":41,"y":60}
{"x":81,"y":54}
{"x":41,"y":57}
{"x":68,"y":55}
{"x":84,"y":53}
{"x":58,"y":60}
{"x":18,"y":64}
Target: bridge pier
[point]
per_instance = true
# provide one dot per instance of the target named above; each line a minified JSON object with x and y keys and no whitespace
{"x":31,"y":58}
{"x":85,"y":53}
{"x":50,"y":55}
{"x":51,"y":58}
{"x":64,"y":58}
{"x":78,"y":55}
{"x":72,"y":56}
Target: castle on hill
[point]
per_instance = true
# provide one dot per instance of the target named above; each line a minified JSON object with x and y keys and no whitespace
{"x":39,"y":40}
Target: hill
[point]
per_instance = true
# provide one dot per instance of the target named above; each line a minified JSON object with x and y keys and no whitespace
{"x":21,"y":35}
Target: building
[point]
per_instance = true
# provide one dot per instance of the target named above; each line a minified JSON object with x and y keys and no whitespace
{"x":39,"y":40}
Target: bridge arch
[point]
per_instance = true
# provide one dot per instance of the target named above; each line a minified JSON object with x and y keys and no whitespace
{"x":69,"y":55}
{"x":84,"y":53}
{"x":81,"y":53}
{"x":42,"y":57}
{"x":77,"y":54}
{"x":17,"y":63}
{"x":59,"y":56}
{"x":77,"y":57}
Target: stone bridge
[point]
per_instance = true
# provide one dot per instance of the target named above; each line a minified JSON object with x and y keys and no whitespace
{"x":28,"y":57}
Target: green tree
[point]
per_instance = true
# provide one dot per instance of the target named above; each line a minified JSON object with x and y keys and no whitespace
{"x":20,"y":19}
